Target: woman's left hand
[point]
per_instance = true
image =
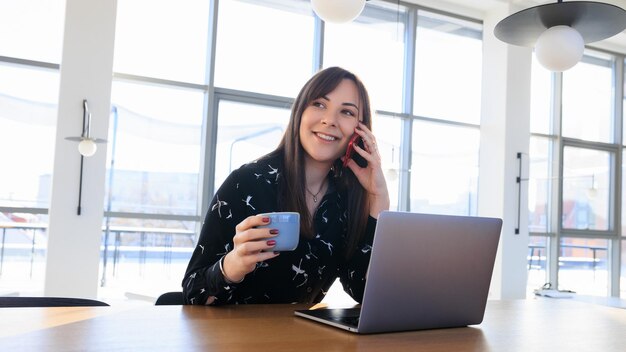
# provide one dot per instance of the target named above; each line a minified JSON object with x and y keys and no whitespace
{"x":371,"y":176}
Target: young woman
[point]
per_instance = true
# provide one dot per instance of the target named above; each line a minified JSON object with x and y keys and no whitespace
{"x":234,"y":263}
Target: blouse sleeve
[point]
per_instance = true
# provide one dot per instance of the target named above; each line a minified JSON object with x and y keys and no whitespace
{"x":352,"y":273}
{"x":204,"y":282}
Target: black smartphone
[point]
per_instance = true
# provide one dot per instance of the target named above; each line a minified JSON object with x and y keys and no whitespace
{"x":350,"y":153}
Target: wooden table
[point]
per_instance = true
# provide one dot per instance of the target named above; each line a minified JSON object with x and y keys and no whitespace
{"x":524,"y":325}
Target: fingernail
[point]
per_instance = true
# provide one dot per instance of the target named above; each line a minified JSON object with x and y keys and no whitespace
{"x":266,"y":219}
{"x":274,"y":231}
{"x":271,"y":242}
{"x":277,"y":253}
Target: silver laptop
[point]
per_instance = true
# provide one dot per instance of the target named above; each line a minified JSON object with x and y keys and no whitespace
{"x":426,"y":272}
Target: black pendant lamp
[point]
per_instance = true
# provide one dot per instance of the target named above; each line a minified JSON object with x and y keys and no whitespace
{"x":559,"y":31}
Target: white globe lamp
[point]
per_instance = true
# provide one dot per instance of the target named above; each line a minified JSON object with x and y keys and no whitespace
{"x":338,"y":11}
{"x":559,"y":48}
{"x":559,"y":31}
{"x":87,"y":147}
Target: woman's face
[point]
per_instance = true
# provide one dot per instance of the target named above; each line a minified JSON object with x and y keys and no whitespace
{"x":328,"y":123}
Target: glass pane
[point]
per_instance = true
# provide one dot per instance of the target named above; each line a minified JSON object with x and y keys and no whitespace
{"x":32,"y":29}
{"x":23,"y":248}
{"x":583,"y":266}
{"x":540,"y":98}
{"x":28,"y":116}
{"x":264,"y":46}
{"x":624,"y":108}
{"x":374,"y":38}
{"x":162,"y":39}
{"x":586,"y":189}
{"x":539,"y":185}
{"x":147,"y":257}
{"x":623,"y":200}
{"x":622,"y":291}
{"x":388,"y":132}
{"x":537,"y":263}
{"x":448,"y":67}
{"x":444,"y":169}
{"x":244,"y":133}
{"x":588,"y":101}
{"x":157,"y":149}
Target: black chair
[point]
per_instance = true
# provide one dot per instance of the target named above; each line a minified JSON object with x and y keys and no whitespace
{"x":170,"y":299}
{"x":12,"y":302}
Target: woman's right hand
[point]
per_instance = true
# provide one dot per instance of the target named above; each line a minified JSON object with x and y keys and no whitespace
{"x":251,"y":246}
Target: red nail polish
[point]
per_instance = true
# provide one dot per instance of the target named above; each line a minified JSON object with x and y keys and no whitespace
{"x":274,"y":231}
{"x":266,"y":219}
{"x":271,"y":242}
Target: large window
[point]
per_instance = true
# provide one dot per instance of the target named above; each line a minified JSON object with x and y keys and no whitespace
{"x":28,"y":124}
{"x":444,"y":155}
{"x":31,"y":34}
{"x":154,"y":167}
{"x":573,"y":185}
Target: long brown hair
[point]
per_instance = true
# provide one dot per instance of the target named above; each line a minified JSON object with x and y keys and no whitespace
{"x":292,"y":194}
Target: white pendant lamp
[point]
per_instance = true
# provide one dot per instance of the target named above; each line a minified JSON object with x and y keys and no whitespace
{"x":559,"y":31}
{"x":86,"y":147}
{"x":559,"y":48}
{"x":338,"y":11}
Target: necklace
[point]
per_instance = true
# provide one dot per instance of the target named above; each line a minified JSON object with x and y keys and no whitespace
{"x":318,"y":191}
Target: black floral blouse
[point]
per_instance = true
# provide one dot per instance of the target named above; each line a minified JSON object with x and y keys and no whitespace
{"x":303,"y":275}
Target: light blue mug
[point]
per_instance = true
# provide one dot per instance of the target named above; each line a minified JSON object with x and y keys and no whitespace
{"x":288,"y":225}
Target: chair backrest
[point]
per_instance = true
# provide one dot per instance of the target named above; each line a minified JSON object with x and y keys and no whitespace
{"x":170,"y":299}
{"x":11,"y":302}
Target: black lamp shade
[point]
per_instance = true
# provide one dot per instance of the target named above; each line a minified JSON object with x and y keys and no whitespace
{"x":593,"y":20}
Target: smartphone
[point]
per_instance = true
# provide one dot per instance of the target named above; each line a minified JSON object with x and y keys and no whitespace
{"x":350,"y":153}
{"x":288,"y":225}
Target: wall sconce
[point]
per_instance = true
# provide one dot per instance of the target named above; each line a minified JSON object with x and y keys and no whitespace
{"x":86,"y":147}
{"x":338,"y":11}
{"x":86,"y":144}
{"x":559,"y":31}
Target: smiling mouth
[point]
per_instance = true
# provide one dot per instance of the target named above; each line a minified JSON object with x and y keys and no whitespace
{"x":326,"y":137}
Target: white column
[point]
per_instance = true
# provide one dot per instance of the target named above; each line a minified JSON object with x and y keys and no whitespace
{"x":73,"y":257}
{"x":505,"y":131}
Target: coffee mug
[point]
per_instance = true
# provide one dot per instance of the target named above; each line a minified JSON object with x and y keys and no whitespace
{"x":288,"y":225}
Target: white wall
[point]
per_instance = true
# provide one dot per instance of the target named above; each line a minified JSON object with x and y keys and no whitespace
{"x":73,"y":256}
{"x":505,"y":131}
